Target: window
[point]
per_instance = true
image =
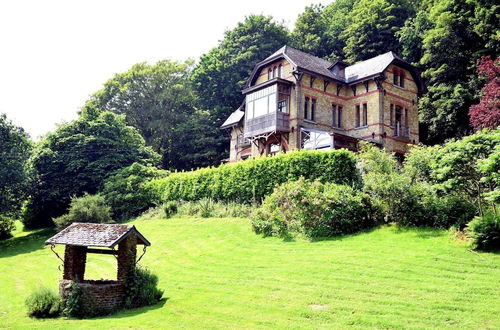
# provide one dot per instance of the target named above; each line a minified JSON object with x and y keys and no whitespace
{"x":336,"y":116}
{"x":306,"y":108}
{"x":261,"y":102}
{"x":354,"y":89}
{"x":269,"y":74}
{"x":392,"y":114}
{"x":357,"y":116}
{"x":365,"y":114}
{"x":315,"y":140}
{"x":406,"y":117}
{"x":280,"y":71}
{"x":275,"y":72}
{"x":339,"y":111}
{"x":395,"y":75}
{"x":313,"y":109}
{"x":402,"y":79}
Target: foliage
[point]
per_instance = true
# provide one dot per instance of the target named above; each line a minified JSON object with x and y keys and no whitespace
{"x":72,"y":304}
{"x":170,"y":209}
{"x":158,"y":100}
{"x":14,"y":152}
{"x":313,"y":209}
{"x":141,"y":288}
{"x":44,"y":303}
{"x":407,"y":197}
{"x":254,"y":179}
{"x":372,"y":28}
{"x":77,"y":158}
{"x":458,"y":164}
{"x":486,"y":114}
{"x":485,"y":232}
{"x":125,"y":190}
{"x":451,"y":44}
{"x":6,"y":226}
{"x":88,"y":208}
{"x":310,"y":29}
{"x":206,"y":207}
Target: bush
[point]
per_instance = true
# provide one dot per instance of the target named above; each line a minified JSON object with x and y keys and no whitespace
{"x":170,"y":208}
{"x":485,"y":232}
{"x":313,"y":209}
{"x":89,"y":208}
{"x":208,"y":208}
{"x":125,"y":193}
{"x":254,"y":179}
{"x":44,"y":303}
{"x":141,"y":289}
{"x":6,"y":226}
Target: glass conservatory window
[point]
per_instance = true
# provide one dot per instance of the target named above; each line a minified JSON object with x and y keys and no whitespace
{"x":315,"y":140}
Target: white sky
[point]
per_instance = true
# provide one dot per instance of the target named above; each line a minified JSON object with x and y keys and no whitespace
{"x":54,"y":54}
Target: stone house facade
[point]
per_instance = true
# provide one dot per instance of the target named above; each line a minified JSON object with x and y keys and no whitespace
{"x":294,"y":100}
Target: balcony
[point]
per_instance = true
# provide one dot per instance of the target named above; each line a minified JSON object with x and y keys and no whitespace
{"x":272,"y":122}
{"x":402,"y":132}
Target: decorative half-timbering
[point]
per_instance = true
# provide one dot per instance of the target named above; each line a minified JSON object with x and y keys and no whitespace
{"x":311,"y":103}
{"x":82,"y":238}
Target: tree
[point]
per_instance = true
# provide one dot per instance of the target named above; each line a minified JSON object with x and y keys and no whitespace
{"x":223,"y":71}
{"x":77,"y":158}
{"x":156,"y":99}
{"x":459,"y":33}
{"x":318,"y":28}
{"x":15,"y":149}
{"x":486,"y":114}
{"x":372,"y":28}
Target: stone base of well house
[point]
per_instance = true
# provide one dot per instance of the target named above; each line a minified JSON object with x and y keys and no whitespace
{"x":99,"y":297}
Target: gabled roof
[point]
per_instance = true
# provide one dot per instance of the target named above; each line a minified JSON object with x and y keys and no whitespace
{"x":233,"y":119}
{"x":95,"y":234}
{"x":353,"y":73}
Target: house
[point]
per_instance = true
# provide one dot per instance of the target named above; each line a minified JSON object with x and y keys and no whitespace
{"x":294,"y":100}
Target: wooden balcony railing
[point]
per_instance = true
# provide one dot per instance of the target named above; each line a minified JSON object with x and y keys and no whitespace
{"x":273,"y":122}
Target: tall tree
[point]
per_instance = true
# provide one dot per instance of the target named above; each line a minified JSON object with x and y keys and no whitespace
{"x":156,"y":99}
{"x":318,"y":28}
{"x":15,"y":149}
{"x":372,"y":28}
{"x":486,"y":114}
{"x":76,"y":158}
{"x":450,"y":48}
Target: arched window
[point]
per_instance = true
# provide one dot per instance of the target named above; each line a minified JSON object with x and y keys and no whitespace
{"x":402,"y":78}
{"x":280,"y":71}
{"x":269,"y":74}
{"x":275,"y":71}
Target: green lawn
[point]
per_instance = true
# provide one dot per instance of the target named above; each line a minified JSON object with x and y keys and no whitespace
{"x":217,"y":273}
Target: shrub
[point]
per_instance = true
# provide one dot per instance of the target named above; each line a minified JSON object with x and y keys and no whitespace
{"x":313,"y":209}
{"x":210,"y":208}
{"x":170,"y":208}
{"x":485,"y":232}
{"x":253,"y":179}
{"x":44,"y":303}
{"x":6,"y":226}
{"x":89,"y":208}
{"x":141,"y":288}
{"x":125,"y":193}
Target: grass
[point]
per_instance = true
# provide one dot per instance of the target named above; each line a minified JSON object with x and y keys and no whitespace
{"x":217,"y":273}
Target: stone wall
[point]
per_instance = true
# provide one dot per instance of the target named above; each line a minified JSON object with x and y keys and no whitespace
{"x":97,"y":297}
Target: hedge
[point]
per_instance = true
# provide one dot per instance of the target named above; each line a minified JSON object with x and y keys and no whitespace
{"x":253,"y":179}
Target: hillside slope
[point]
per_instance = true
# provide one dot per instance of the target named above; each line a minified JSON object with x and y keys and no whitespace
{"x":217,"y":273}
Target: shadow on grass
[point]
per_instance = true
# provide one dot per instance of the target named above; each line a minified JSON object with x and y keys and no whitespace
{"x":342,"y":237}
{"x":421,"y":232}
{"x":25,"y":244}
{"x":135,"y":311}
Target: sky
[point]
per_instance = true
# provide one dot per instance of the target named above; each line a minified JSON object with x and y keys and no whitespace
{"x":54,"y":54}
